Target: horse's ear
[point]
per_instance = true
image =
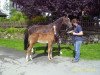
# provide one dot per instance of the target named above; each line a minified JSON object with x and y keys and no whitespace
{"x":64,"y":17}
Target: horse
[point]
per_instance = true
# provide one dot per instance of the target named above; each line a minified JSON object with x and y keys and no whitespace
{"x":43,"y":34}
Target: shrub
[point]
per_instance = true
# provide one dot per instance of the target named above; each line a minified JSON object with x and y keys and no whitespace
{"x":17,"y":16}
{"x":12,"y":30}
{"x":39,"y":19}
{"x":2,"y":30}
{"x":15,"y":30}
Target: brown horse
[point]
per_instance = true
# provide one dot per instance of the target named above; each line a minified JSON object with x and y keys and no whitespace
{"x":43,"y":34}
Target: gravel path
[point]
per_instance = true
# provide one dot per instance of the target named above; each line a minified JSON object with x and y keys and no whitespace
{"x":13,"y":63}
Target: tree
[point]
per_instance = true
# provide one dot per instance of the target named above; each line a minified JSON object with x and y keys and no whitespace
{"x":57,"y":7}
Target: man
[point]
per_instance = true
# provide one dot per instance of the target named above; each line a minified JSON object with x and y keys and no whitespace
{"x":77,"y":39}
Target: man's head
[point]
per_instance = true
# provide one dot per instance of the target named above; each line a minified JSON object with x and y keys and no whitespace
{"x":74,"y":21}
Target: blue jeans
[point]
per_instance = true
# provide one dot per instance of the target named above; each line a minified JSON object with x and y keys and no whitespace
{"x":77,"y":45}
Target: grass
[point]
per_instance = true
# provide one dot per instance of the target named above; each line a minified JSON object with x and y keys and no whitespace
{"x":9,"y":43}
{"x":89,"y":51}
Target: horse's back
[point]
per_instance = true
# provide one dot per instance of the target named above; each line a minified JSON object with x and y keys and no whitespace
{"x":39,"y":28}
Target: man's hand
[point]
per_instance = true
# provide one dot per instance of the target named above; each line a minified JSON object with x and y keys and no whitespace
{"x":71,"y":32}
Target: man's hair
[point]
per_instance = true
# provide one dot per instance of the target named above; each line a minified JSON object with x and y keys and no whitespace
{"x":74,"y":20}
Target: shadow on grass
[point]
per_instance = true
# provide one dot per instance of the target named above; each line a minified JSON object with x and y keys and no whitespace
{"x":43,"y":48}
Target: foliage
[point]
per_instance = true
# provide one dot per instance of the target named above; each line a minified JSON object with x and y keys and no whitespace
{"x":12,"y":30}
{"x":39,"y":19}
{"x":15,"y":16}
{"x":58,"y":7}
{"x":2,"y":30}
{"x":3,"y":19}
{"x":15,"y":30}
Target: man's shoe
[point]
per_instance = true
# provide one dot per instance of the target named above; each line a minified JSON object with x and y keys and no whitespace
{"x":74,"y":61}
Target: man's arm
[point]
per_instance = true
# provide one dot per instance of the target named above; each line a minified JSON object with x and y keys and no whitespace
{"x":80,"y":33}
{"x":72,"y":32}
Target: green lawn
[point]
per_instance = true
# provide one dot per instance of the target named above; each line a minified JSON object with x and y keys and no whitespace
{"x":15,"y":44}
{"x":89,"y":51}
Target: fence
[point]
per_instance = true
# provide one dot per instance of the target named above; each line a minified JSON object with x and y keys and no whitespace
{"x":90,"y":25}
{"x":91,"y":30}
{"x":87,"y":25}
{"x":13,"y":24}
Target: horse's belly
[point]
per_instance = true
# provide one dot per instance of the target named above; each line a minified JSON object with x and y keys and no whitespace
{"x":42,"y":41}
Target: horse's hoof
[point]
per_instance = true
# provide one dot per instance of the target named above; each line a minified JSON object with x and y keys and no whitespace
{"x":49,"y":58}
{"x":27,"y":61}
{"x":30,"y":58}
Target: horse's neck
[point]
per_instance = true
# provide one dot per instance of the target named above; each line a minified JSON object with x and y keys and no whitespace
{"x":58,"y":24}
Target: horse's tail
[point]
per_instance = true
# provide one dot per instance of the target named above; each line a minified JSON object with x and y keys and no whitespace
{"x":26,"y":35}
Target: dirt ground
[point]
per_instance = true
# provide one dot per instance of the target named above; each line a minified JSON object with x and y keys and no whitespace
{"x":13,"y":62}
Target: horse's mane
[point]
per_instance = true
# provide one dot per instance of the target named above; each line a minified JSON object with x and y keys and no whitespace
{"x":58,"y":21}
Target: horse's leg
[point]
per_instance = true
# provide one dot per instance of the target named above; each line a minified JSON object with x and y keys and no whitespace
{"x":59,"y":48}
{"x":33,"y":51}
{"x":28,"y":54}
{"x":46,"y":49}
{"x":49,"y":51}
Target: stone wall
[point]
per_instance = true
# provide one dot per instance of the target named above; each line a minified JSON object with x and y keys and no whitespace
{"x":11,"y":35}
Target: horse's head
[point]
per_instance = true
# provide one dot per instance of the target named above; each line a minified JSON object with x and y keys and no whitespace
{"x":66,"y":21}
{"x":59,"y":23}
